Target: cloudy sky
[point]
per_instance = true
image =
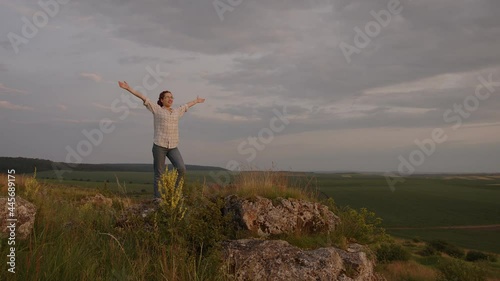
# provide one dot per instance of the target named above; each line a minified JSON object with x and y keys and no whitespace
{"x":299,"y":84}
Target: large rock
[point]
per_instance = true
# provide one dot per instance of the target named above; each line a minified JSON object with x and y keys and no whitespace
{"x":24,"y":213}
{"x":264,"y":218}
{"x":276,"y":260}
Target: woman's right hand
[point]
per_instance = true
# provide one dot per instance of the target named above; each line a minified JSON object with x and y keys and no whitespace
{"x":123,"y":85}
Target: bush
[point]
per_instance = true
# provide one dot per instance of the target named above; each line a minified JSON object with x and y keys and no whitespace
{"x":205,"y":225}
{"x":392,"y":252}
{"x":476,"y":256}
{"x":492,"y":258}
{"x":428,"y":251}
{"x":361,"y":226}
{"x":172,"y":198}
{"x":32,"y":187}
{"x":459,"y":270}
{"x":447,"y":248}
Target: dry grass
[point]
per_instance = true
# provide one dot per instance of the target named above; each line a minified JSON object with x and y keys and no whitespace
{"x":270,"y":184}
{"x":410,"y":270}
{"x":19,"y":181}
{"x":74,"y":238}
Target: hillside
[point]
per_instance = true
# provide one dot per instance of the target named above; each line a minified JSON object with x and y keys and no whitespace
{"x":27,"y":165}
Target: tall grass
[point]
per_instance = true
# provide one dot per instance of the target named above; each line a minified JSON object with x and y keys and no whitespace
{"x":75,"y":239}
{"x":271,"y":184}
{"x":408,"y":271}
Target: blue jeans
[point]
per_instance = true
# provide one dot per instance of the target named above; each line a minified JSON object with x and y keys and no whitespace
{"x":174,"y":155}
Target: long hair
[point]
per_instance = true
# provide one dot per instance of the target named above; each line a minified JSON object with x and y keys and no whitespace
{"x":162,"y":95}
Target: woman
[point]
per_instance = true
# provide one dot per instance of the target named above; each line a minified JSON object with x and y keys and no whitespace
{"x":166,"y":132}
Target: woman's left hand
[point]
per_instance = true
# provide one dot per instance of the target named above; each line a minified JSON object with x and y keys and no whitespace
{"x":199,"y":100}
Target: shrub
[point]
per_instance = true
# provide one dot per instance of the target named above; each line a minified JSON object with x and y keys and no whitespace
{"x":31,"y":186}
{"x":492,"y":258}
{"x":392,"y":252}
{"x":172,"y":198}
{"x":205,"y":224}
{"x":476,"y":256}
{"x":416,"y":240}
{"x":459,"y":270}
{"x":428,"y":251}
{"x":447,"y":248}
{"x":361,"y":226}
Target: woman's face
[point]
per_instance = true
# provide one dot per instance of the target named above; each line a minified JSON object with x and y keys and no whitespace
{"x":168,"y":99}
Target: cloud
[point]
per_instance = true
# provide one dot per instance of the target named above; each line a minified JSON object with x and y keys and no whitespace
{"x":9,"y":105}
{"x":92,"y":76}
{"x":6,"y":45}
{"x":101,"y":106}
{"x":20,"y":9}
{"x":263,"y":56}
{"x":78,"y":121}
{"x":62,"y":107}
{"x":133,"y":111}
{"x":7,"y":90}
{"x":142,"y":60}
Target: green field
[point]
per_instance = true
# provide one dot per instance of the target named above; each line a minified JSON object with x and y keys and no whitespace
{"x":133,"y":183}
{"x":421,"y":203}
{"x":424,"y":202}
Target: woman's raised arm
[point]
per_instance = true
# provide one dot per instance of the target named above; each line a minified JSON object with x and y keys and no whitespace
{"x":197,"y":100}
{"x":125,"y":86}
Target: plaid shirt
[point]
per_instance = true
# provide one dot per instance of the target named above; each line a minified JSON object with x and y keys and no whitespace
{"x":166,"y":123}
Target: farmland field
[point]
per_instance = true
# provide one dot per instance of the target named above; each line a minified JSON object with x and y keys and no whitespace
{"x":421,"y":204}
{"x":417,"y":208}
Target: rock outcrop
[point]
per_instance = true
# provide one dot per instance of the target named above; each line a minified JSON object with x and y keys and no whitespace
{"x":257,"y":259}
{"x":253,"y":259}
{"x":22,"y":211}
{"x":266,"y":217}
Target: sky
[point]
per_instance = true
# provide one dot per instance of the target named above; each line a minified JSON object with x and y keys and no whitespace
{"x":310,"y":85}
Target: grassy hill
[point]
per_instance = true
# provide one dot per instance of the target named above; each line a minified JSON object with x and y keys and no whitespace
{"x":27,"y":165}
{"x":75,"y":238}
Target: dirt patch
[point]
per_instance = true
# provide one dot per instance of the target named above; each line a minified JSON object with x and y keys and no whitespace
{"x":486,"y":178}
{"x":483,"y":178}
{"x":487,"y":226}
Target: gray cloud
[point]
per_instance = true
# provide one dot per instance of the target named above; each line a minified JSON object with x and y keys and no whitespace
{"x":261,"y":57}
{"x":143,"y":60}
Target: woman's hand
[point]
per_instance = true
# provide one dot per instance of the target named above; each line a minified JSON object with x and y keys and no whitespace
{"x":199,"y":100}
{"x":124,"y":85}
